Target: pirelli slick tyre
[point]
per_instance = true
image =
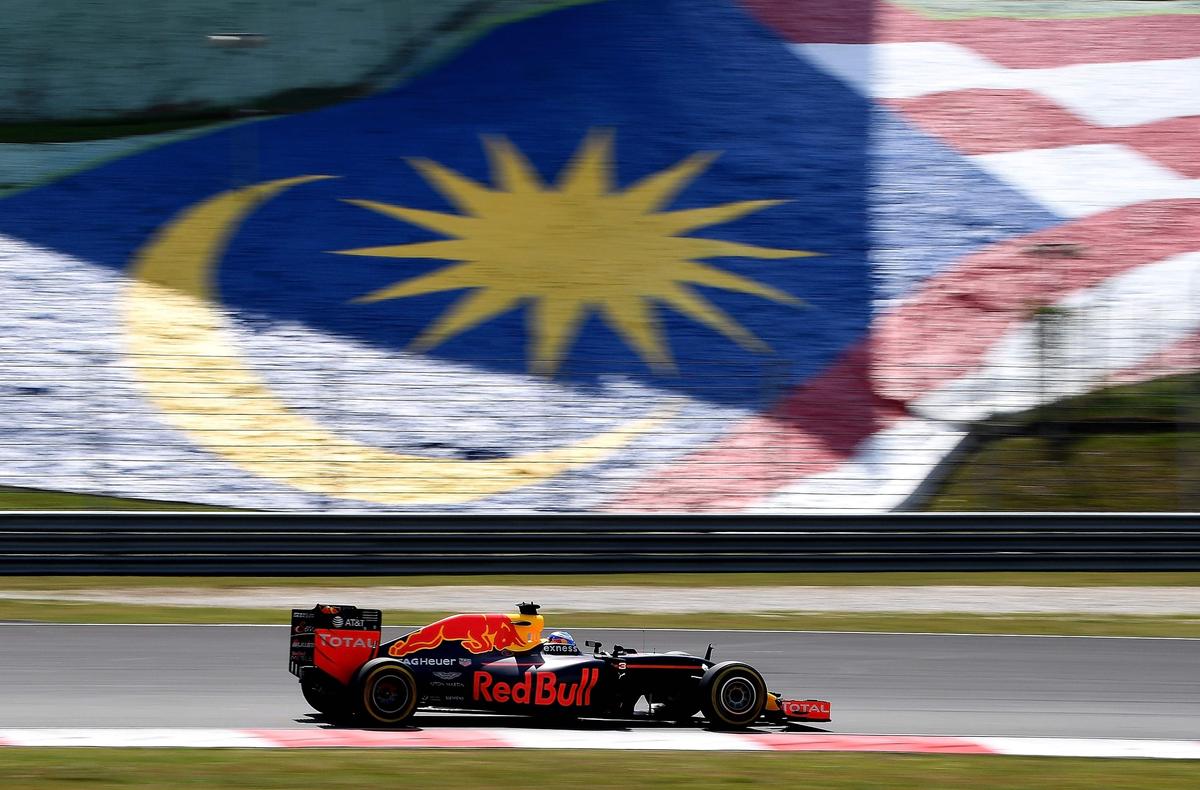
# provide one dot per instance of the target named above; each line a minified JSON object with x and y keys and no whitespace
{"x":387,"y":692}
{"x":732,"y":695}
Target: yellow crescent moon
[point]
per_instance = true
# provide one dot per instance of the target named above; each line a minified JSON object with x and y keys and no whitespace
{"x":174,"y":332}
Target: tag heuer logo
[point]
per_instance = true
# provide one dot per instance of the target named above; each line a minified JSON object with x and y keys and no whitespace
{"x":464,"y":662}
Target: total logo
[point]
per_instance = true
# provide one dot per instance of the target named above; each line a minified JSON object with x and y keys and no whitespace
{"x":331,"y":640}
{"x":537,"y":688}
{"x":805,"y":707}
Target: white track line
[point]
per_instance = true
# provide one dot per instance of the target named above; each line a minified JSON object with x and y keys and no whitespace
{"x":699,"y":740}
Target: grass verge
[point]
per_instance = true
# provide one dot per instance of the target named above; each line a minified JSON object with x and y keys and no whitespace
{"x":35,"y":499}
{"x":234,"y":769}
{"x":943,"y":622}
{"x":1132,"y":448}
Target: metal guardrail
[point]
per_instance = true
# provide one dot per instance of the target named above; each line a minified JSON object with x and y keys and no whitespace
{"x":283,"y":544}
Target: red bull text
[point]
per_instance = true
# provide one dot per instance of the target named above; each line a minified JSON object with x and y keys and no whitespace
{"x":478,"y":633}
{"x":537,"y":688}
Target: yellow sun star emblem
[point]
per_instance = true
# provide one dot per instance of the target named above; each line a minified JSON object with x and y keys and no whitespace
{"x":574,"y":248}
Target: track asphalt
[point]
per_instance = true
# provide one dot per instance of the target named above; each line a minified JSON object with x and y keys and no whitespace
{"x":236,"y":676}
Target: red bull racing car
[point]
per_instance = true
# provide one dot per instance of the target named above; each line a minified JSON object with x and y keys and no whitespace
{"x":500,"y":663}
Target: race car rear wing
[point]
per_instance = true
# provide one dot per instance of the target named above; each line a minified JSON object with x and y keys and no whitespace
{"x":332,"y":625}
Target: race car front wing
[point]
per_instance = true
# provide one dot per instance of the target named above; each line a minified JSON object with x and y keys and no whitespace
{"x":804,"y":709}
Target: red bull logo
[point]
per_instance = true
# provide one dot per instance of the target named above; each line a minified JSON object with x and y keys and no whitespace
{"x":478,"y":633}
{"x":536,"y":688}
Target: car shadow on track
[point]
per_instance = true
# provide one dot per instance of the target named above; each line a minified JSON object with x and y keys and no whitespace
{"x":423,"y":721}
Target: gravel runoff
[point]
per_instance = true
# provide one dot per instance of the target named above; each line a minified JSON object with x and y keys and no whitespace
{"x":965,"y":599}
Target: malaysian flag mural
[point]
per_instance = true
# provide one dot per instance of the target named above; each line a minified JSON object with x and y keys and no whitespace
{"x":632,"y":255}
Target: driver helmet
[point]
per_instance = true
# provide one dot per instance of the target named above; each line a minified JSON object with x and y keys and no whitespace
{"x":560,"y":638}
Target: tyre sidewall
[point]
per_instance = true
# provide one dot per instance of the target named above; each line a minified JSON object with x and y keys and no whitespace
{"x":727,"y":681}
{"x":371,"y":676}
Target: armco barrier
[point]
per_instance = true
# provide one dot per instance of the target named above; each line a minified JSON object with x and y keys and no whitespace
{"x":282,"y":544}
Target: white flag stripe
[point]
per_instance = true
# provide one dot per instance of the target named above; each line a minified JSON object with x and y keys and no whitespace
{"x":884,"y":472}
{"x":902,"y":71}
{"x":1105,"y":329}
{"x":1106,"y":94}
{"x":1078,"y":180}
{"x":1102,"y":330}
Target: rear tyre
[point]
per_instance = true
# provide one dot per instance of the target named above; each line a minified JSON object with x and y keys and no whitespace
{"x":732,"y":695}
{"x":387,"y":692}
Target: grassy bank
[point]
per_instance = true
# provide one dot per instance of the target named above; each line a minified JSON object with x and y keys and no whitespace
{"x":34,"y":499}
{"x":233,"y":769}
{"x":349,"y":590}
{"x":1134,"y":448}
{"x":944,"y":623}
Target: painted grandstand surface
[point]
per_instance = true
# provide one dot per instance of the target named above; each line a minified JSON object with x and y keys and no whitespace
{"x":767,"y":256}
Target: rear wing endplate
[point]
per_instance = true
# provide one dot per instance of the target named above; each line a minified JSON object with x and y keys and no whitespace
{"x":326,"y":617}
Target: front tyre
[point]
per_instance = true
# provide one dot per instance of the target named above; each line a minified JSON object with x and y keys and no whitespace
{"x":732,"y":695}
{"x":387,"y":692}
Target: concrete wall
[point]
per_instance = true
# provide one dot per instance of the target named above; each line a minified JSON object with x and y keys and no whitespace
{"x":84,"y":59}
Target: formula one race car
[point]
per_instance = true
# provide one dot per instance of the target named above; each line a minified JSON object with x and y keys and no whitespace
{"x":500,"y":663}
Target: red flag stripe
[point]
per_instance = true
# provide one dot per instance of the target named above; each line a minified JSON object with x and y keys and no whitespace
{"x":814,"y":430}
{"x":940,"y":333}
{"x":1016,"y":43}
{"x":997,"y":121}
{"x":932,"y":338}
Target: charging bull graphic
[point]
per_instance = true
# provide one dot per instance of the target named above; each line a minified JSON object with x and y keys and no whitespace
{"x":478,"y":633}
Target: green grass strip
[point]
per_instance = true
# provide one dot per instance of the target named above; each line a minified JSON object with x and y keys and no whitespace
{"x":240,"y":769}
{"x":34,"y":499}
{"x":901,"y":622}
{"x":1133,"y":448}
